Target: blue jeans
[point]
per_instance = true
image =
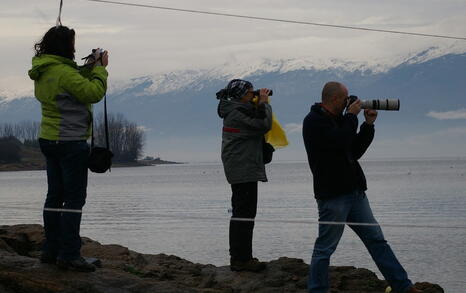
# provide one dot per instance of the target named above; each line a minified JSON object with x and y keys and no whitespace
{"x":353,"y":207}
{"x":67,"y":183}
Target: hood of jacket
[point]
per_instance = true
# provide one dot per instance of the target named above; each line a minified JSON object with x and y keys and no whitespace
{"x":41,"y":63}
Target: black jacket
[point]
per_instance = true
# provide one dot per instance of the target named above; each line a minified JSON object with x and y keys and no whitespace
{"x":333,"y":149}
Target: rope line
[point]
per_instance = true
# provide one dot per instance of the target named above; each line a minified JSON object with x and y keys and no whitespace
{"x":313,"y":222}
{"x":63,"y":210}
{"x":281,"y":20}
{"x":275,"y":221}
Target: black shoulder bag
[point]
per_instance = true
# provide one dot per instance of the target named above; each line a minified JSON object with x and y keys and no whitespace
{"x":100,"y":159}
{"x":267,"y":151}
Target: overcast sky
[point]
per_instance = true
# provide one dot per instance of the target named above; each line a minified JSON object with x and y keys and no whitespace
{"x":145,"y":41}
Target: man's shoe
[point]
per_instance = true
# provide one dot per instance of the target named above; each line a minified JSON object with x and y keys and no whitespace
{"x":78,"y":265}
{"x":414,"y":290}
{"x":48,"y":259}
{"x":252,"y":265}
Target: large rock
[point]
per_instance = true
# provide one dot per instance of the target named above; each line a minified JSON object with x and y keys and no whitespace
{"x":126,"y":271}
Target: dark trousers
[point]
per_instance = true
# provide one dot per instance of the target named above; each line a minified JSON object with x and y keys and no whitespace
{"x":244,"y":204}
{"x":67,"y":182}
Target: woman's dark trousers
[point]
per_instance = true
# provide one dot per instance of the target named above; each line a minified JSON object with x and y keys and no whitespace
{"x":244,"y":203}
{"x":67,"y":182}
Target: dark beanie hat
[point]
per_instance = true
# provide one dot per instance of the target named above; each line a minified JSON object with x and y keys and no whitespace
{"x":235,"y":90}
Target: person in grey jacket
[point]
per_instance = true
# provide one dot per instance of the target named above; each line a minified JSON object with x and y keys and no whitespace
{"x":244,"y":127}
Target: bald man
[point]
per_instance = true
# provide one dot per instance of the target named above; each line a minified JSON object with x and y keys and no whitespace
{"x":333,"y":148}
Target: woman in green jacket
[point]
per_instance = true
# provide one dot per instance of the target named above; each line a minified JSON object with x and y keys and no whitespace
{"x":66,"y":93}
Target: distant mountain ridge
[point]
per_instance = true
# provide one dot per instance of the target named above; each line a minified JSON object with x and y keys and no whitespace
{"x":195,"y":79}
{"x":180,"y":107}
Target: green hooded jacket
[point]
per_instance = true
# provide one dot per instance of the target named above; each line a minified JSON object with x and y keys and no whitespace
{"x":66,"y":93}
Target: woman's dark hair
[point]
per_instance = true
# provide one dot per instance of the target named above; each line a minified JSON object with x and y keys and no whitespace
{"x":59,"y":41}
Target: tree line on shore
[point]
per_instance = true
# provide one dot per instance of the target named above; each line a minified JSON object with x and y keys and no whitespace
{"x":126,"y":138}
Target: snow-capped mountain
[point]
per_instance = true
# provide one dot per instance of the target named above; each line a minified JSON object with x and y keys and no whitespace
{"x":183,"y":104}
{"x":195,"y":79}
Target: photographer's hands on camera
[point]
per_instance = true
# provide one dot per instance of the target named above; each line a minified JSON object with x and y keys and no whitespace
{"x":264,"y":95}
{"x":369,"y":114}
{"x":99,"y":57}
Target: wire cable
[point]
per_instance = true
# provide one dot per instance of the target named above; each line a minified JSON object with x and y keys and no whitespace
{"x":58,"y":23}
{"x":281,"y":20}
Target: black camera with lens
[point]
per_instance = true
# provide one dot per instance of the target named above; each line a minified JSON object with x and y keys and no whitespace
{"x":257,"y":93}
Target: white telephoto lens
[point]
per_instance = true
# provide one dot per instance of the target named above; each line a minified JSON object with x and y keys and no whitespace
{"x":382,"y":104}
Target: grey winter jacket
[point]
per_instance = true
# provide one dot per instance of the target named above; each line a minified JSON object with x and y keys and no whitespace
{"x":244,"y":126}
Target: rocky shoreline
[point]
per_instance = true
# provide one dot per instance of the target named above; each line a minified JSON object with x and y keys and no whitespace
{"x":126,"y":271}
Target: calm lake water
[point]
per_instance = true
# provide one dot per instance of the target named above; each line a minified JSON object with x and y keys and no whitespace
{"x":154,"y":210}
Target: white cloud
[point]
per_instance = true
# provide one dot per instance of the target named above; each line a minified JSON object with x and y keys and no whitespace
{"x":292,"y":128}
{"x":448,"y":115}
{"x":144,"y":128}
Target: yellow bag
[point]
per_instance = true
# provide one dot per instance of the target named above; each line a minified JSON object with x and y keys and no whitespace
{"x":276,"y":136}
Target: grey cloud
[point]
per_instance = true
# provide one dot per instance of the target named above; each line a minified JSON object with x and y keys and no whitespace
{"x":144,"y":41}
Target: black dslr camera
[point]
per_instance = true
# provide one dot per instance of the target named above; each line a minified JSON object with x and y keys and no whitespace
{"x":257,"y":93}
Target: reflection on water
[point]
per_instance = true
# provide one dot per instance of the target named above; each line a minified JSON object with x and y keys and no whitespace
{"x":130,"y":206}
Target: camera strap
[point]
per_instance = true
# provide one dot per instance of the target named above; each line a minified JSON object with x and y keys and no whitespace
{"x":100,"y":158}
{"x":107,"y":145}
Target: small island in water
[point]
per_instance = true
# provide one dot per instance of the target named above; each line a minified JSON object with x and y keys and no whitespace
{"x":19,"y":156}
